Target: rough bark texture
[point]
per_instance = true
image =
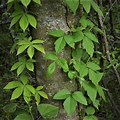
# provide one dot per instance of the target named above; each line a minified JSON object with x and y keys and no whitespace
{"x":52,"y":15}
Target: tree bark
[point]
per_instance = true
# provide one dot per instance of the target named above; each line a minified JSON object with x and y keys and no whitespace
{"x":52,"y":15}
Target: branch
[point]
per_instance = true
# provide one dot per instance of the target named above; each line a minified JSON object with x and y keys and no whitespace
{"x":107,"y":47}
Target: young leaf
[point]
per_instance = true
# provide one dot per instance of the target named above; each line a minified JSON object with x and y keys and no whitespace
{"x":37,"y":1}
{"x":43,"y":94}
{"x":13,"y":84}
{"x":73,"y":5}
{"x":24,"y":22}
{"x":51,"y":69}
{"x":59,"y":44}
{"x":39,"y":88}
{"x":24,"y":79}
{"x":93,"y":66}
{"x":31,"y":88}
{"x":17,"y":93}
{"x":15,"y":20}
{"x":30,"y":51}
{"x":22,"y":48}
{"x":25,"y":2}
{"x":90,"y":110}
{"x":57,"y":33}
{"x":32,"y":20}
{"x":86,"y":5}
{"x":72,"y":74}
{"x":15,"y":66}
{"x":70,"y":105}
{"x":62,"y":94}
{"x":47,"y":111}
{"x":23,"y":116}
{"x":39,"y":48}
{"x":30,"y":66}
{"x":79,"y":97}
{"x":20,"y":69}
{"x":38,"y":41}
{"x":88,"y":46}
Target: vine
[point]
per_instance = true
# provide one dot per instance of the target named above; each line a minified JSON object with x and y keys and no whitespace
{"x":83,"y":67}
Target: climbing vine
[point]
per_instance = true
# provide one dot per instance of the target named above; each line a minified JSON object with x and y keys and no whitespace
{"x":83,"y":67}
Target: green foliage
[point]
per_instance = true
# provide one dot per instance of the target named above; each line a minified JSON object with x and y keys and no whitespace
{"x":81,"y":67}
{"x":23,"y":117}
{"x":47,"y":111}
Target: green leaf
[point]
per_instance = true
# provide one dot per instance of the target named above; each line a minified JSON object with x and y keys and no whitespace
{"x":51,"y":56}
{"x":77,"y":53}
{"x":31,"y":88}
{"x":22,"y":48}
{"x":62,"y":94}
{"x":38,"y":41}
{"x":24,"y":79}
{"x":39,"y":88}
{"x":20,"y":69}
{"x":73,"y":5}
{"x":30,"y":66}
{"x":17,"y":93}
{"x":24,"y":22}
{"x":43,"y":94}
{"x":79,"y":97}
{"x":51,"y":69}
{"x":30,"y":51}
{"x":93,"y":66}
{"x":57,"y":33}
{"x":90,"y":110}
{"x":25,"y":2}
{"x":23,"y":116}
{"x":72,"y":74}
{"x":32,"y":20}
{"x":10,"y":108}
{"x":101,"y":92}
{"x":15,"y":66}
{"x":91,"y":90}
{"x":37,"y":98}
{"x":69,"y":40}
{"x":86,"y":5}
{"x":47,"y":111}
{"x":39,"y":48}
{"x":96,"y":103}
{"x":70,"y":106}
{"x":26,"y":93}
{"x":95,"y":77}
{"x":83,"y":70}
{"x":15,"y":20}
{"x":59,"y":44}
{"x":63,"y":64}
{"x":13,"y":84}
{"x":91,"y":36}
{"x":90,"y":117}
{"x":88,"y":46}
{"x":97,"y":8}
{"x":9,"y":1}
{"x":37,"y":1}
{"x":78,"y":36}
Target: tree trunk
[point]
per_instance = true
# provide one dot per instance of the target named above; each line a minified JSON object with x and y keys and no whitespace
{"x":52,"y":15}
